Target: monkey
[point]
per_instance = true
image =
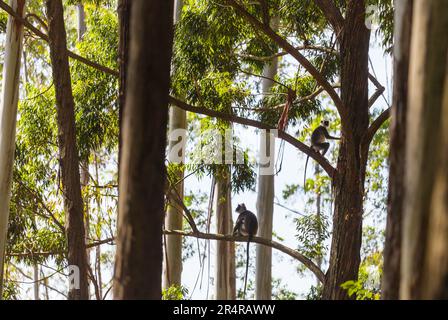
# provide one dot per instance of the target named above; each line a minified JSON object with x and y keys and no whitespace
{"x":318,"y":142}
{"x":246,"y":225}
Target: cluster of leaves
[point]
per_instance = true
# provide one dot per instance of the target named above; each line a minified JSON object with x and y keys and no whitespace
{"x":94,"y":91}
{"x":385,"y":12}
{"x":312,"y":232}
{"x":175,"y":293}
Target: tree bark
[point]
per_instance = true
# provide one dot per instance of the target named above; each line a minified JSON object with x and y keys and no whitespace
{"x":85,"y":176}
{"x":225,"y":277}
{"x":392,"y":248}
{"x":265,"y":201}
{"x":138,"y":264}
{"x":348,"y":182}
{"x":424,"y":269}
{"x":319,"y":259}
{"x":8,"y":118}
{"x":68,"y":151}
{"x":172,"y":271}
{"x":82,"y":28}
{"x":124,"y":13}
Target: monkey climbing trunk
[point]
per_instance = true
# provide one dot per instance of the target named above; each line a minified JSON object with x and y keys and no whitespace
{"x":8,"y":118}
{"x":225,"y":278}
{"x":348,"y":182}
{"x":68,"y":152}
{"x":172,"y":268}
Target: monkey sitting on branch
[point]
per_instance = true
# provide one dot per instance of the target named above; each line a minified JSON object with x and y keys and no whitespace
{"x":246,"y":225}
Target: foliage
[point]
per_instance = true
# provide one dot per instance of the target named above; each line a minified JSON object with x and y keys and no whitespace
{"x":175,"y":293}
{"x":281,"y":292}
{"x":315,"y":293}
{"x":367,"y":287}
{"x":312,"y":231}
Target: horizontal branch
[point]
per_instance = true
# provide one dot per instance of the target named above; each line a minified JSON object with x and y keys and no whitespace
{"x":260,"y":125}
{"x":52,"y":253}
{"x":292,"y":253}
{"x":285,"y":45}
{"x":284,"y":53}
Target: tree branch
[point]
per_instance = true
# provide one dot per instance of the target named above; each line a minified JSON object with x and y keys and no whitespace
{"x":284,"y":53}
{"x":281,"y":42}
{"x":375,"y":126}
{"x":44,"y":37}
{"x":332,"y":13}
{"x":260,"y":125}
{"x":292,"y":253}
{"x":379,"y":90}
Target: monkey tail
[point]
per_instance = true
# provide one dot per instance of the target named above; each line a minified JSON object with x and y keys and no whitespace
{"x":247,"y":267}
{"x":304,"y":174}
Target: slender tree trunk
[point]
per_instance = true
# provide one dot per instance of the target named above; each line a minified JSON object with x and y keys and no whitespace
{"x":68,"y":151}
{"x":225,"y":251}
{"x":172,"y":271}
{"x":98,"y":235}
{"x":265,"y":202}
{"x":317,"y":172}
{"x":138,"y":264}
{"x":8,"y":118}
{"x":392,"y":248}
{"x":124,"y":13}
{"x":424,"y":269}
{"x":349,"y":180}
{"x":82,"y":28}
{"x":36,"y":281}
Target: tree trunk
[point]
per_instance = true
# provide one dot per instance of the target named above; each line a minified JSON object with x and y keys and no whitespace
{"x":68,"y":152}
{"x":172,"y":271}
{"x":8,"y":118}
{"x":349,"y":180}
{"x":392,"y":248}
{"x":319,"y":259}
{"x":425,"y":226}
{"x":138,"y":264}
{"x":82,"y":28}
{"x":124,"y":13}
{"x":225,"y":251}
{"x":265,"y":202}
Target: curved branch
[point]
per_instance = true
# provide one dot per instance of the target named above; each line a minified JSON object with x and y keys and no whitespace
{"x":375,"y":126}
{"x":379,"y":90}
{"x":331,"y":171}
{"x":292,"y":253}
{"x":285,"y":45}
